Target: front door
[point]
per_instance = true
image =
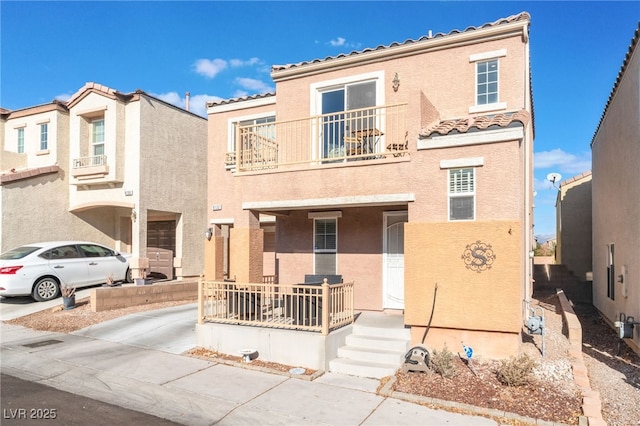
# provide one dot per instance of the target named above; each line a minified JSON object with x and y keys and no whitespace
{"x":393,"y":259}
{"x":161,"y":245}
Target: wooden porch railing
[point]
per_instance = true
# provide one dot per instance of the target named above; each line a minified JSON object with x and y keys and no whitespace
{"x":359,"y":134}
{"x":319,"y":308}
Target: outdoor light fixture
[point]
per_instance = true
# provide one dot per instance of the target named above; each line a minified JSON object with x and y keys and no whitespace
{"x":134,"y":215}
{"x":208,"y":234}
{"x":396,"y":83}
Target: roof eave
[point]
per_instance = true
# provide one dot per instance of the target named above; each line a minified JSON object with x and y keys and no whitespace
{"x":432,"y":44}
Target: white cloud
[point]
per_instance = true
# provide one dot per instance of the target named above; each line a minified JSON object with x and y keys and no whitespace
{"x":63,"y":97}
{"x":241,"y":63}
{"x":210,"y":67}
{"x":197,"y":103}
{"x":563,"y":162}
{"x":240,"y":93}
{"x":340,"y":41}
{"x":541,"y":184}
{"x":253,"y":85}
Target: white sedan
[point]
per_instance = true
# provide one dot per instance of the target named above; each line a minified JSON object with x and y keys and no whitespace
{"x":40,"y":269}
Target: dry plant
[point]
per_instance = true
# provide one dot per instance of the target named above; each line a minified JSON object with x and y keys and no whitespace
{"x":68,"y":291}
{"x":517,"y":371}
{"x":442,"y":363}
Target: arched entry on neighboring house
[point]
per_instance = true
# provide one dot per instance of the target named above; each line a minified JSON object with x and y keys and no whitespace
{"x":393,"y":259}
{"x":161,"y":246}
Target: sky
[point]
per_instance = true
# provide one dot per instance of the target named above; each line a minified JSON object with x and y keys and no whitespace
{"x":225,"y":49}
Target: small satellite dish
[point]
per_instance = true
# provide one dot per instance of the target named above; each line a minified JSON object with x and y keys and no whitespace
{"x":554,"y":177}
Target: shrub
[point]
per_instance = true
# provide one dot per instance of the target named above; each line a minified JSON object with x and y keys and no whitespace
{"x":442,"y":363}
{"x":517,"y":371}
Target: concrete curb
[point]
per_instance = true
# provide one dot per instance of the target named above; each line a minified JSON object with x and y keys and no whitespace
{"x":591,"y":403}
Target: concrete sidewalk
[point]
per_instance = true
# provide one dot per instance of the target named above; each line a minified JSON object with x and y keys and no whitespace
{"x":126,"y":367}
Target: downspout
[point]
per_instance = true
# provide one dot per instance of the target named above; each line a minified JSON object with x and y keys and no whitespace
{"x":527,"y":147}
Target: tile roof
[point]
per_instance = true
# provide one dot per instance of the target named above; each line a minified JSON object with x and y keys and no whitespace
{"x":625,"y":64}
{"x":523,"y":16}
{"x":475,"y":123}
{"x":240,"y":99}
{"x":575,"y":178}
{"x":14,"y":175}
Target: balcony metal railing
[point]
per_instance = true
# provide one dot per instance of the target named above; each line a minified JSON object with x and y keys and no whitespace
{"x":319,"y":308}
{"x":94,"y":160}
{"x":359,"y":134}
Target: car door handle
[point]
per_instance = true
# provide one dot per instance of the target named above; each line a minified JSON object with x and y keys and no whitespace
{"x":58,"y":267}
{"x":93,"y":263}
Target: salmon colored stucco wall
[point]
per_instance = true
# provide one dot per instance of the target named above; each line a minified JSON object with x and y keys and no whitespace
{"x":446,"y":77}
{"x":359,"y":251}
{"x":489,"y":300}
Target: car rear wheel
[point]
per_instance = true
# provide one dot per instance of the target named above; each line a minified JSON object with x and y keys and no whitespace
{"x":128,"y":277}
{"x":46,"y":288}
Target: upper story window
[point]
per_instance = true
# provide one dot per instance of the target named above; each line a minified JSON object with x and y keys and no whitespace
{"x":487,"y":82}
{"x":348,"y":109}
{"x":44,"y":136}
{"x":255,"y":128}
{"x":21,"y":140}
{"x":97,"y":137}
{"x":462,"y":194}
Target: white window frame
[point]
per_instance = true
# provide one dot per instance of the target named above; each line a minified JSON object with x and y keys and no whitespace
{"x":324,"y":250}
{"x":478,"y":59}
{"x":317,"y":89}
{"x":231,"y":126}
{"x":94,"y":142}
{"x":20,"y":140}
{"x":452,"y":192}
{"x":44,"y":136}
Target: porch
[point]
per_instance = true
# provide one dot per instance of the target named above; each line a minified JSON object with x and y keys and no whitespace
{"x":314,"y":308}
{"x":366,"y":344}
{"x":360,"y":134}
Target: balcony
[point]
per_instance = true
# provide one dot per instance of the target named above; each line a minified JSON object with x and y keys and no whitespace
{"x":355,"y":135}
{"x":90,"y":167}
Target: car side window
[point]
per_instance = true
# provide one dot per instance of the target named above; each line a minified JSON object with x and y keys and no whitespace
{"x":90,"y":250}
{"x":62,"y":252}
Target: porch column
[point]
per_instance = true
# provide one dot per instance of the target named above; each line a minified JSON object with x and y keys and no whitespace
{"x":139,"y":263}
{"x":214,"y":255}
{"x":246,"y":244}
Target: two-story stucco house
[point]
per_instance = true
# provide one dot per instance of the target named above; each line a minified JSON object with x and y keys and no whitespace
{"x":405,"y":168}
{"x":122,"y":169}
{"x":615,"y":184}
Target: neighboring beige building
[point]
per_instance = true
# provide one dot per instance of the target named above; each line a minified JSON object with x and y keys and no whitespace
{"x":573,"y":225}
{"x":122,"y":169}
{"x":616,"y":198}
{"x":401,"y":168}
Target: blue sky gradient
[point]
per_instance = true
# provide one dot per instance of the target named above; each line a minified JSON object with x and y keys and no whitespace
{"x":224,"y":49}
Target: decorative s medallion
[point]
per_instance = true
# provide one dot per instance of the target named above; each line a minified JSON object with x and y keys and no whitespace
{"x":478,"y":256}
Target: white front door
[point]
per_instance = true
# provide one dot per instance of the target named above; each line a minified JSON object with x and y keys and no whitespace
{"x":393,"y":259}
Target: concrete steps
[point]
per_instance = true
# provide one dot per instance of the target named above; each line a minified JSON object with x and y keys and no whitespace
{"x":375,"y":349}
